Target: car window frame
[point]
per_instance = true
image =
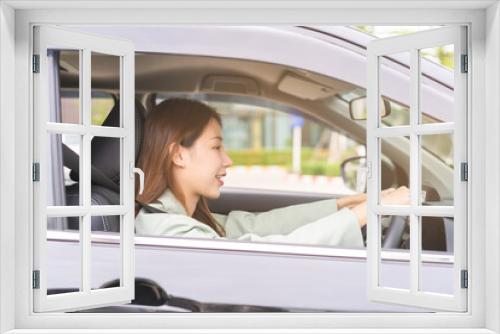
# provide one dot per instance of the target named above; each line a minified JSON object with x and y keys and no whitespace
{"x":254,"y":101}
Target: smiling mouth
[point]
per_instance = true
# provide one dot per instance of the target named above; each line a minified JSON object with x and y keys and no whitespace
{"x":219,"y":178}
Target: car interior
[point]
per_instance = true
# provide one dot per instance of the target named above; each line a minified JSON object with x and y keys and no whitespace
{"x":215,"y":78}
{"x":220,"y":78}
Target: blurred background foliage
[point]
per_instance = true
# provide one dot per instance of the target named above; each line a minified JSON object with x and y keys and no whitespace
{"x":441,"y":55}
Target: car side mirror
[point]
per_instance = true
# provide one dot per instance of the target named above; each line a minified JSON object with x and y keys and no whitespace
{"x":147,"y":292}
{"x":354,"y":173}
{"x":359,"y":112}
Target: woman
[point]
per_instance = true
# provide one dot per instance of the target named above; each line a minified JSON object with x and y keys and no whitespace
{"x":184,"y":161}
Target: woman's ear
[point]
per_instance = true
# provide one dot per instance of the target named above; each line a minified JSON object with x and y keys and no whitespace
{"x":178,"y":155}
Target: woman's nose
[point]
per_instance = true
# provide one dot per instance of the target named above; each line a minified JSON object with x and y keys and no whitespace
{"x":227,"y":160}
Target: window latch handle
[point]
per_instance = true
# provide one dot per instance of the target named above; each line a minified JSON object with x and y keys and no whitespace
{"x":138,"y":171}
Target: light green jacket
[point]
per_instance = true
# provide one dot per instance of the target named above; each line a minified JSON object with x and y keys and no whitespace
{"x":317,"y":223}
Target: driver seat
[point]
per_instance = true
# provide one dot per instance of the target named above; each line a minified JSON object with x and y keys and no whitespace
{"x":105,"y":171}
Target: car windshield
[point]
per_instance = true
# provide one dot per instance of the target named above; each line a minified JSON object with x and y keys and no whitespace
{"x":440,"y":146}
{"x":437,"y":74}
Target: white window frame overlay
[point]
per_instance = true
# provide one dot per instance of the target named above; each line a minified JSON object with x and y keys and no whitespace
{"x":16,"y":19}
{"x":413,"y":43}
{"x":46,"y":38}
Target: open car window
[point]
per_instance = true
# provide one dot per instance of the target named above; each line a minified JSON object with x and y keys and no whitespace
{"x":259,"y":138}
{"x":247,"y":124}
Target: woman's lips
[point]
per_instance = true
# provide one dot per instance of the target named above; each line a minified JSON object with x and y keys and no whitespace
{"x":219,"y":178}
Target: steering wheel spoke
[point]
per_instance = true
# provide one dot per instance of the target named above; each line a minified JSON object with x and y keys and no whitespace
{"x":394,"y":233}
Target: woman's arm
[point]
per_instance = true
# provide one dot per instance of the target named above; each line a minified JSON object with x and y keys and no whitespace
{"x":391,"y":196}
{"x":337,"y":229}
{"x":287,"y":219}
{"x":350,"y":201}
{"x":341,"y":228}
{"x":277,"y":221}
{"x":354,"y":200}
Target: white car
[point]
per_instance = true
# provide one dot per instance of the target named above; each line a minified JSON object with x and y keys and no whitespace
{"x":318,"y":73}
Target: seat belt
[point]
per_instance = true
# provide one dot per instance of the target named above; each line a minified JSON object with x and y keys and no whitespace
{"x":150,"y":209}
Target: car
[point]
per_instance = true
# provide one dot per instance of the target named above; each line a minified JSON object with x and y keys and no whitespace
{"x":314,"y":74}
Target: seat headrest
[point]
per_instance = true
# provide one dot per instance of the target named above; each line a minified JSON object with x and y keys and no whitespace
{"x":105,"y":151}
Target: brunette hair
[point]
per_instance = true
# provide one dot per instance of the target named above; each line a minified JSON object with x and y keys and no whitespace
{"x":173,"y":121}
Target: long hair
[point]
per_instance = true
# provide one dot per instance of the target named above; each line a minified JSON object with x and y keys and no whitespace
{"x":179,"y":121}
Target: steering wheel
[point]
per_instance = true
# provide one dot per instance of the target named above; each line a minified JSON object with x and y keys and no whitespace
{"x":394,"y":233}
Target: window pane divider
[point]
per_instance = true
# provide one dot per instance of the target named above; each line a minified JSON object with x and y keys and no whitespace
{"x":428,"y":39}
{"x":434,"y":211}
{"x":79,"y":294}
{"x":435,"y":128}
{"x":419,"y":129}
{"x":415,"y":174}
{"x":85,"y":172}
{"x":108,"y":210}
{"x":393,"y":131}
{"x":419,"y":293}
{"x":392,"y":210}
{"x":74,"y":211}
{"x":73,"y":236}
{"x":107,"y":131}
{"x":83,"y":298}
{"x":78,"y":129}
{"x":66,"y":211}
{"x":419,"y":210}
{"x":85,"y":235}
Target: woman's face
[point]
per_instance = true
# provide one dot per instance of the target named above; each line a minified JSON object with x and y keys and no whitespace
{"x":204,"y":164}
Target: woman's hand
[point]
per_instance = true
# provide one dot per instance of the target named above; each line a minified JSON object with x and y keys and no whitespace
{"x":400,"y":196}
{"x":353,"y":200}
{"x":350,"y":201}
{"x":391,"y":196}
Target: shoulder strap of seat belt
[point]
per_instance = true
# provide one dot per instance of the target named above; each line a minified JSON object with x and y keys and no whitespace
{"x":150,"y":209}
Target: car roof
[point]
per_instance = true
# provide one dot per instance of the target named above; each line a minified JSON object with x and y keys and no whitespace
{"x":333,"y":51}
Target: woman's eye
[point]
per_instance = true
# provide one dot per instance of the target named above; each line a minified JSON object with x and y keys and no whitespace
{"x":217,"y":147}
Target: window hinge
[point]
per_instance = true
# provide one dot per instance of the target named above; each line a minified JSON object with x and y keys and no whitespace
{"x":464,"y":279}
{"x":36,"y":172}
{"x":36,"y":279}
{"x":464,"y":171}
{"x":36,"y":63}
{"x":465,"y":63}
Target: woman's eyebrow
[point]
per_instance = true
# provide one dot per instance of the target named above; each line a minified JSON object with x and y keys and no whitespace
{"x":218,"y":137}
